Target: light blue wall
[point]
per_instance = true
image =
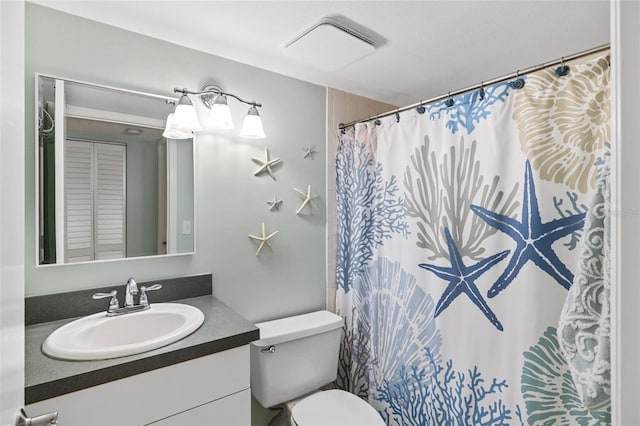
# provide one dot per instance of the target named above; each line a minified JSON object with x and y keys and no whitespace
{"x":230,"y":201}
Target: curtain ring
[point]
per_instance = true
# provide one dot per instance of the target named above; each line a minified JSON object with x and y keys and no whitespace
{"x":563,"y":69}
{"x":518,"y":83}
{"x":449,"y":102}
{"x":481,"y":91}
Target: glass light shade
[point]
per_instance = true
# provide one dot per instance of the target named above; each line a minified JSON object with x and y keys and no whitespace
{"x":252,"y":126}
{"x":172,"y":133}
{"x":220,"y":114}
{"x":185,"y":117}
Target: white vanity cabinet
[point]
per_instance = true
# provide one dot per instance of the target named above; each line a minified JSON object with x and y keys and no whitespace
{"x":211,"y":390}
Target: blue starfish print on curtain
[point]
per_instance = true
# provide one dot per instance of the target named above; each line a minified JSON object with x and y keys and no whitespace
{"x":462,"y":280}
{"x":533,"y":237}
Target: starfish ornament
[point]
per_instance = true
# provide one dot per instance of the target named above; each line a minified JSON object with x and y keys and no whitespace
{"x":275,"y":204}
{"x":265,"y":165}
{"x":534,"y":239}
{"x":264,"y":239}
{"x":308,"y":152}
{"x":307,"y":197}
{"x":462,"y":280}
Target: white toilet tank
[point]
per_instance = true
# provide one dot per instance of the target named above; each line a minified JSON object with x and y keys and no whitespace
{"x":294,"y":356}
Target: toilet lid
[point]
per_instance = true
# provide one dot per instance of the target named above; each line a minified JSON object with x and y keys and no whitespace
{"x":333,"y":408}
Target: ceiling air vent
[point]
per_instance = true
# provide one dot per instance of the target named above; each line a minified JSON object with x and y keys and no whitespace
{"x":329,"y":45}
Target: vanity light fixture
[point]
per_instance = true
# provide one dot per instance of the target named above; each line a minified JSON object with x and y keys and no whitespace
{"x":220,"y":113}
{"x":185,"y":117}
{"x":252,"y":126}
{"x":183,"y":121}
{"x":170,"y":132}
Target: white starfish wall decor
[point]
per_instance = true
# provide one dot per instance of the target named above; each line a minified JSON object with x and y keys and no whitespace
{"x":265,"y":165}
{"x":306,"y":197}
{"x":275,"y":204}
{"x":264,"y":239}
{"x":309,"y":151}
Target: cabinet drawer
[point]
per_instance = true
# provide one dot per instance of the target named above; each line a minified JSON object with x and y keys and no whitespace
{"x":233,"y":410}
{"x":154,"y":395}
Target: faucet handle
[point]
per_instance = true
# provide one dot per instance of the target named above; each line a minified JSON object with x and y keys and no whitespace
{"x":144,"y":301}
{"x":113,"y":303}
{"x":132,"y":286}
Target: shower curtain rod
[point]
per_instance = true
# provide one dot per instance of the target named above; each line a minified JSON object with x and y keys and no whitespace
{"x":516,"y":74}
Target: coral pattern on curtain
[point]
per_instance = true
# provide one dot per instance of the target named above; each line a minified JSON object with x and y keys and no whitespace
{"x":458,"y":239}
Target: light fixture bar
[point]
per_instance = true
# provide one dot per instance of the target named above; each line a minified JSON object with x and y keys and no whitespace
{"x":185,"y":119}
{"x":213,"y":90}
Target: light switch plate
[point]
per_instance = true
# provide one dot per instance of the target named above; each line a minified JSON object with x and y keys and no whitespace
{"x":186,"y":227}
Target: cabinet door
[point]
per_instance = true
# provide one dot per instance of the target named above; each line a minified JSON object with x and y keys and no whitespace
{"x":233,"y":410}
{"x":154,"y":395}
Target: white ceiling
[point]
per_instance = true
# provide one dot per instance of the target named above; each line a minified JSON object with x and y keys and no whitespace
{"x":424,"y":48}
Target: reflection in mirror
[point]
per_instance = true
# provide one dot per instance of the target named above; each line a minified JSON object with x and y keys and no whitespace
{"x":109,"y":185}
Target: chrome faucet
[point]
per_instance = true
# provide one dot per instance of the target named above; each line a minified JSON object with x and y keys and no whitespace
{"x":129,"y":291}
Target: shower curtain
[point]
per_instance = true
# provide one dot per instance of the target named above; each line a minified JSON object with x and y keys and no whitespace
{"x":459,"y":230}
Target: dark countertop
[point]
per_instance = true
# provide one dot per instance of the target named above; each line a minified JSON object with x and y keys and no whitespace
{"x":47,"y":377}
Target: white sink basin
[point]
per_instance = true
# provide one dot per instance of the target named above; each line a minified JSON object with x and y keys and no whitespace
{"x":97,"y":336}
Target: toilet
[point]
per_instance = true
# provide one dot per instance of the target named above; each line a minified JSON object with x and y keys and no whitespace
{"x":293,"y":359}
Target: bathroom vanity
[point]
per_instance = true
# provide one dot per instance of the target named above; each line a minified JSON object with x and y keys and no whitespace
{"x":201,"y":379}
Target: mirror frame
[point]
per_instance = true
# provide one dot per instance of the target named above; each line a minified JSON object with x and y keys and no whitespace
{"x":37,"y":186}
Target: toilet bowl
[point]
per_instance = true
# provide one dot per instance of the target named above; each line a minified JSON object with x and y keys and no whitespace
{"x":294,"y":358}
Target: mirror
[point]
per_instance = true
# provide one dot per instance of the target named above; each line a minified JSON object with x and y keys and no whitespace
{"x":109,"y":185}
